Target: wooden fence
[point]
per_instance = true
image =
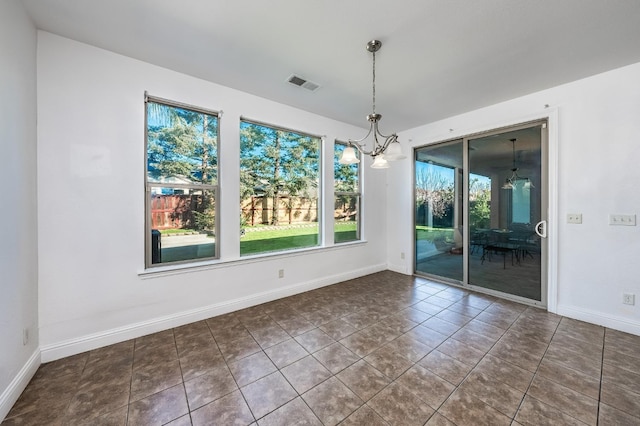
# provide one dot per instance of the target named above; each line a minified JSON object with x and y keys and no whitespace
{"x":174,"y":211}
{"x":177,"y":210}
{"x":259,"y":210}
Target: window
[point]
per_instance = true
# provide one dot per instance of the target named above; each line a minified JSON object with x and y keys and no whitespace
{"x":521,"y":201}
{"x":181,"y":182}
{"x":479,"y":202}
{"x":346,"y":225}
{"x":279,"y":187}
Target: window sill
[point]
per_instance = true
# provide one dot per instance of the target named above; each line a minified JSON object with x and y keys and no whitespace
{"x":168,"y":270}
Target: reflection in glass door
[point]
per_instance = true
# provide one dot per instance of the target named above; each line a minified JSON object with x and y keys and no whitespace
{"x":505,"y":188}
{"x":439,"y":213}
{"x":478,"y":203}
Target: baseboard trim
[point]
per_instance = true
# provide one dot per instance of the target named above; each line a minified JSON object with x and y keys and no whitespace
{"x":11,"y":394}
{"x":401,"y":269}
{"x":611,"y":321}
{"x":78,"y":345}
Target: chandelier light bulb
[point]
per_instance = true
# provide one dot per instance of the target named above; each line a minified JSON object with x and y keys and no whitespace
{"x":379,"y":162}
{"x":349,"y":156}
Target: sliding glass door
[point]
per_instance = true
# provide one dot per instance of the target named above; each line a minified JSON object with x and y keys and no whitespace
{"x":480,"y":205}
{"x":505,"y":188}
{"x":439,"y":210}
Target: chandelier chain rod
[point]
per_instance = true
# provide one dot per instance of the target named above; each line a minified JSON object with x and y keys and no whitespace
{"x":380,"y":141}
{"x":374,"y":82}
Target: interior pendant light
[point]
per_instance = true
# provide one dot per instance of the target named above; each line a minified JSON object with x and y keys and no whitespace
{"x":385,"y":148}
{"x":511,"y":182}
{"x":379,"y":162}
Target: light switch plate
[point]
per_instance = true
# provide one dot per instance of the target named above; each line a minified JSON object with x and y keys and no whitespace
{"x":622,"y":219}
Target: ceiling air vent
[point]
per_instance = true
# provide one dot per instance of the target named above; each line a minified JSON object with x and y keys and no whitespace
{"x":301,"y":82}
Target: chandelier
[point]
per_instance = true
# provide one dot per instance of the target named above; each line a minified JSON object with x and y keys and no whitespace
{"x":385,"y":148}
{"x":512,"y":181}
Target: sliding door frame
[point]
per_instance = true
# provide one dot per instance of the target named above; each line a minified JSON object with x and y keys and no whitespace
{"x":439,"y":278}
{"x":548,"y":209}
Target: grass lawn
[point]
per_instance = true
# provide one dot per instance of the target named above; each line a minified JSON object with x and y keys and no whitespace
{"x":178,"y":231}
{"x":268,"y":240}
{"x":345,"y":231}
{"x":257,"y":240}
{"x":261,"y":241}
{"x":431,"y":234}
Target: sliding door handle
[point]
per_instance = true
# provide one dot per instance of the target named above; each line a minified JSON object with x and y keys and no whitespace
{"x":541,"y":229}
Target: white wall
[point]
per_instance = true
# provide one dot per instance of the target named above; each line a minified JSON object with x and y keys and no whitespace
{"x":18,"y":236}
{"x":594,"y":134}
{"x":91,"y":210}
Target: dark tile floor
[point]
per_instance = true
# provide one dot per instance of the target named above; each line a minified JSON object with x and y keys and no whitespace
{"x":378,"y":350}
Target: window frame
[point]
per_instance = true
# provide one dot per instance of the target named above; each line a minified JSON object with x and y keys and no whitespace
{"x":357,"y":194}
{"x":320,"y":179}
{"x":148,"y":186}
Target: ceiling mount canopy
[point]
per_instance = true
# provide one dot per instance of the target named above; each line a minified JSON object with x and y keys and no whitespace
{"x":512,"y":181}
{"x":385,"y":148}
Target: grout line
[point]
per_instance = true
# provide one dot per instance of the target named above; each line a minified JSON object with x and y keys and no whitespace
{"x":364,"y":305}
{"x":537,"y":367}
{"x":133,"y":360}
{"x":604,"y":340}
{"x":456,"y":387}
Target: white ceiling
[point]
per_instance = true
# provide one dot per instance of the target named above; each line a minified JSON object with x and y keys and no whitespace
{"x":439,"y":57}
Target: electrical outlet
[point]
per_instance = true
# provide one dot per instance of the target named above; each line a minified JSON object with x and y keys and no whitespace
{"x":622,"y":219}
{"x":402,"y":255}
{"x":25,"y":336}
{"x":280,"y":273}
{"x":628,"y":298}
{"x":575,"y":218}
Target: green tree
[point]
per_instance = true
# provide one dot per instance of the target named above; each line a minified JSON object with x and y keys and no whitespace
{"x":479,"y":204}
{"x":345,"y":175}
{"x":434,"y":190}
{"x":275,"y":163}
{"x":345,"y":184}
{"x":182,"y":148}
{"x":182,"y":143}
